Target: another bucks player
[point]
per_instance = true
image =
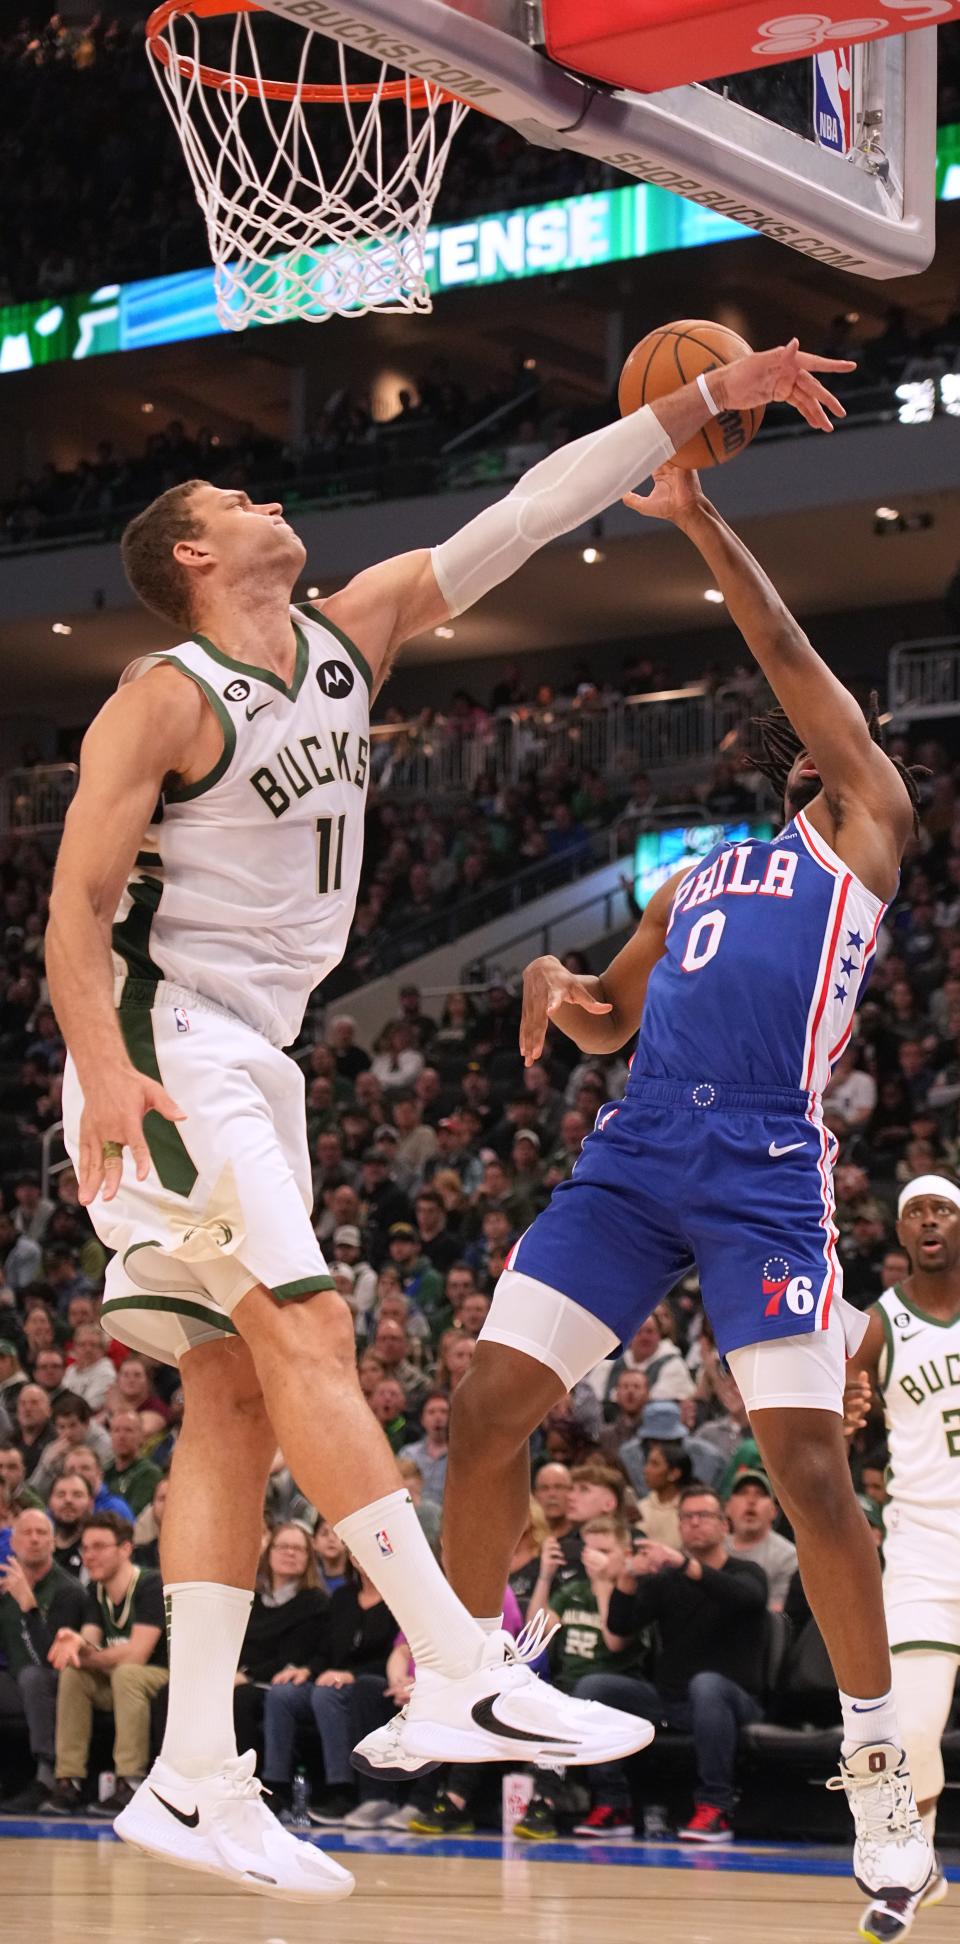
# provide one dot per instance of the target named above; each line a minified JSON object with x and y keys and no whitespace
{"x":911,"y":1356}
{"x":215,"y":845}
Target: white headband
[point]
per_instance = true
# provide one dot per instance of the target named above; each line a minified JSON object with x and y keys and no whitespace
{"x":929,"y":1185}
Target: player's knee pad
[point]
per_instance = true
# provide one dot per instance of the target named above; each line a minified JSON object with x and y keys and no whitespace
{"x":923,"y":1688}
{"x":529,"y":1316}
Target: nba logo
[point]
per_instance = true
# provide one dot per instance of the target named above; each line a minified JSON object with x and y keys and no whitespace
{"x":383,"y":1542}
{"x":833,"y":99}
{"x":183,"y":1023}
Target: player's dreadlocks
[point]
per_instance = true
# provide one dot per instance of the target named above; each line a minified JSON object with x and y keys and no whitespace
{"x":779,"y":747}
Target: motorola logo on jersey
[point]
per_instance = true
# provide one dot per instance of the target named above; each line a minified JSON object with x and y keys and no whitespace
{"x":336,"y":679}
{"x":780,"y":1287}
{"x":237,"y":691}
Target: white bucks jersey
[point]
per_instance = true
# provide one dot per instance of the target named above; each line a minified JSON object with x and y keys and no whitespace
{"x":245,"y":884}
{"x":920,"y":1380}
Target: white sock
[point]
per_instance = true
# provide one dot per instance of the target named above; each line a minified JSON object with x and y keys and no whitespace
{"x":868,"y":1721}
{"x":929,"y":1821}
{"x":491,"y":1626}
{"x":205,"y":1628}
{"x":388,"y":1541}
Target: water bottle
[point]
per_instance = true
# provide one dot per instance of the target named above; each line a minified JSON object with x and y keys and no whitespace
{"x":300,"y":1800}
{"x":655,"y":1824}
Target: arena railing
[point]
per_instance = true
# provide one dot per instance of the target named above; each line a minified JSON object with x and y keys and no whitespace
{"x":924,"y":678}
{"x":673,"y":732}
{"x":34,"y":802}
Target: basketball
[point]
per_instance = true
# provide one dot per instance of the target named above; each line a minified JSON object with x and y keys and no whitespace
{"x":672,"y":356}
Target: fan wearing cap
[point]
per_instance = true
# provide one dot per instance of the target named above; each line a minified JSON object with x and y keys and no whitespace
{"x":910,"y":1360}
{"x":751,"y":1510}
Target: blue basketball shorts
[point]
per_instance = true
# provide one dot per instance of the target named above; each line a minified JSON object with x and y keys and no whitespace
{"x":691,"y":1174}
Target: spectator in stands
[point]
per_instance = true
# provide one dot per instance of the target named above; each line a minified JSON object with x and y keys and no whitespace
{"x":348,"y":1248}
{"x":341,"y":1689}
{"x":13,"y":1472}
{"x":48,"y":1372}
{"x":91,"y":1374}
{"x":629,"y":1397}
{"x":70,"y":1503}
{"x":455,"y":1353}
{"x":710,"y":1608}
{"x":397,"y":1061}
{"x":582,"y":1648}
{"x":429,"y":1452}
{"x":330,"y":1553}
{"x":130,"y":1475}
{"x":421,"y":1282}
{"x":22,"y":1258}
{"x":114,"y":1661}
{"x":37,"y":1599}
{"x":417,"y":1143}
{"x":659,"y":1360}
{"x":133,"y":1392}
{"x":32,"y":1211}
{"x":34,"y":1430}
{"x":285,"y":1625}
{"x":39,"y":1333}
{"x":350,"y":1058}
{"x":75,"y":1428}
{"x":436,"y":1241}
{"x":12,"y":1376}
{"x":388,"y":1402}
{"x":83,"y":1463}
{"x":667,"y":1472}
{"x":752,"y":1511}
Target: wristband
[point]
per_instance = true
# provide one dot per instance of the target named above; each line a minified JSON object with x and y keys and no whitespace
{"x":711,"y":404}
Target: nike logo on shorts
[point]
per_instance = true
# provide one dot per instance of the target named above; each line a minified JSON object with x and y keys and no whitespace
{"x":774,"y":1151}
{"x":260,"y":705}
{"x":484,"y":1715}
{"x":189,"y":1822}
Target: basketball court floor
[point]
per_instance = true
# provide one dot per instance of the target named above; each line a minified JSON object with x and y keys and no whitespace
{"x":66,"y":1883}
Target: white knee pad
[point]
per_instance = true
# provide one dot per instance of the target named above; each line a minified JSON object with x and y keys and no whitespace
{"x":528,"y":1315}
{"x":923,"y":1689}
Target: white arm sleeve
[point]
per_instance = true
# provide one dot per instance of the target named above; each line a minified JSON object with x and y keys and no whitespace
{"x":558,"y":494}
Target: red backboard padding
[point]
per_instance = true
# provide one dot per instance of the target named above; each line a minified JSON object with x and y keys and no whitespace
{"x":646,"y":45}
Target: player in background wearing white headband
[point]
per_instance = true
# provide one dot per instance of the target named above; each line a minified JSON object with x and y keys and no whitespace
{"x":910,"y":1359}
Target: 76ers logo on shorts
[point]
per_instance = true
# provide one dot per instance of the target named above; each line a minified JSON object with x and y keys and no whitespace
{"x":782,"y":1288}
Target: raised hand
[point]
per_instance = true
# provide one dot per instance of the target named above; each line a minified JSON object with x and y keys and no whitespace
{"x":114,"y":1110}
{"x":857,"y":1400}
{"x":675,"y":492}
{"x":784,"y":374}
{"x":547,"y":985}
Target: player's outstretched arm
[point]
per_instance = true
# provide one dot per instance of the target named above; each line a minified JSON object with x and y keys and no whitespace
{"x":854,"y":771}
{"x":142,"y":735}
{"x":386,"y":605}
{"x":598,"y":1013}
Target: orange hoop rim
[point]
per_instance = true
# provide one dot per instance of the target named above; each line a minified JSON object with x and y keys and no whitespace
{"x":414,"y":91}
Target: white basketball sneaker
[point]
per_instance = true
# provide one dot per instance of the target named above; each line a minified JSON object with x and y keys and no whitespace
{"x":221,"y":1825}
{"x":892,"y":1857}
{"x":889,"y":1918}
{"x":500,"y":1712}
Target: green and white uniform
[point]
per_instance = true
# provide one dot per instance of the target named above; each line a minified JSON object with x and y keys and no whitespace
{"x":240,"y":903}
{"x":920,"y":1381}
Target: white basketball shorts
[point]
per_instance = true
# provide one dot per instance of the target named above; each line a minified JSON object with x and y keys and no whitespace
{"x":228,"y":1198}
{"x":921,"y":1578}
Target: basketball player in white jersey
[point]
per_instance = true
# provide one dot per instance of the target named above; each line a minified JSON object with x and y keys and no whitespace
{"x":206,"y":883}
{"x":911,"y":1356}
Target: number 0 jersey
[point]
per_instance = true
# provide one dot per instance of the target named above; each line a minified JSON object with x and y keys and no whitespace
{"x":245,"y":884}
{"x":769,"y":948}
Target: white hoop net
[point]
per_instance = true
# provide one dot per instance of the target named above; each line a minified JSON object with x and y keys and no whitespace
{"x":297,"y":228}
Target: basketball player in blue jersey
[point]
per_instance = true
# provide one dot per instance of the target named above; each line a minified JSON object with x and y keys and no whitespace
{"x":742,"y":978}
{"x":205,"y":884}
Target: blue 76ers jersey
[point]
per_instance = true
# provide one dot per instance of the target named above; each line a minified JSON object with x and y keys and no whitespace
{"x":769,"y":948}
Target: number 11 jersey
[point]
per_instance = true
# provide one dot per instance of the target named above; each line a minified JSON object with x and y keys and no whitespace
{"x":245,"y":884}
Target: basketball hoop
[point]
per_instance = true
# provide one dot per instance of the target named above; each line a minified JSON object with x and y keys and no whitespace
{"x":297,"y":228}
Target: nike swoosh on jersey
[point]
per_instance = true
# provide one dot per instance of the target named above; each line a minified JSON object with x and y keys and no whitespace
{"x":909,"y":1339}
{"x":774,"y":1151}
{"x":189,"y":1822}
{"x":485,"y":1717}
{"x":252,"y":712}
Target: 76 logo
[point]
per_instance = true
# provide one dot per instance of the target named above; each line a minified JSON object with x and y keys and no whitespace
{"x":780,"y":1287}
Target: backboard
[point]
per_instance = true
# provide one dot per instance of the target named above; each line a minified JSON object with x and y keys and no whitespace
{"x":737,"y":146}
